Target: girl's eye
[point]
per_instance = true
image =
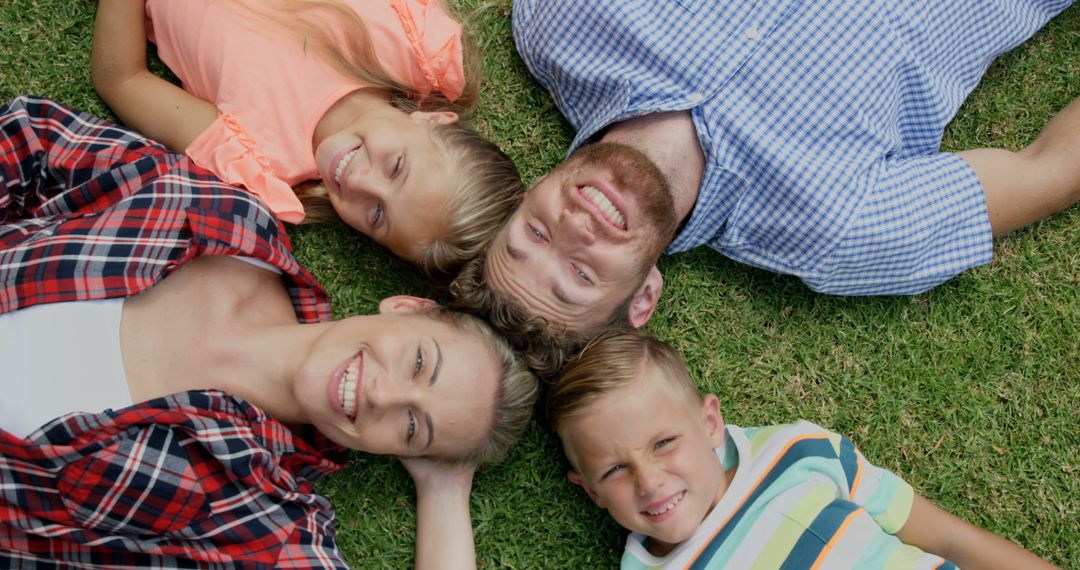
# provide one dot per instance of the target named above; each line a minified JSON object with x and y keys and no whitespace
{"x":664,"y":442}
{"x":584,"y":276}
{"x":419,"y":363}
{"x":412,"y":428}
{"x":376,"y":216}
{"x":611,"y":472}
{"x":536,"y":233}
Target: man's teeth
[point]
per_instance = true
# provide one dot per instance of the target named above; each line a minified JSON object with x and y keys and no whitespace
{"x":347,"y":389}
{"x":342,"y":164}
{"x":667,"y":506}
{"x":601,"y":201}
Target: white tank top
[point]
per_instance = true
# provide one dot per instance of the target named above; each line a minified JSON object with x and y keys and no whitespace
{"x":60,"y":358}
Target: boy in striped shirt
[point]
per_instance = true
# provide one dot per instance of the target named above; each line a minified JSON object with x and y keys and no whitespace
{"x":645,"y":446}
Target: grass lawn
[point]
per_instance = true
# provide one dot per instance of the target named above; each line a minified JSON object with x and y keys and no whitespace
{"x":964,"y":391}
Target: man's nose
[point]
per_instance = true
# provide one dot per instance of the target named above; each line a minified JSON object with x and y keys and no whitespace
{"x":577,"y":224}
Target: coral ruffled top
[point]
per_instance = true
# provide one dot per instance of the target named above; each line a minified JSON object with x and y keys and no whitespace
{"x":271,"y":91}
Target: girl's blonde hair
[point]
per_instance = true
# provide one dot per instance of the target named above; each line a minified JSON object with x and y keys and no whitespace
{"x":486,"y":181}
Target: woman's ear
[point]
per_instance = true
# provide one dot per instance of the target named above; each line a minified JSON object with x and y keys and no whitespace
{"x":404,"y":304}
{"x":435,"y":117}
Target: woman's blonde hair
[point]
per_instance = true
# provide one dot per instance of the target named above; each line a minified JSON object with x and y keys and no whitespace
{"x":515,"y":396}
{"x":486,"y":179}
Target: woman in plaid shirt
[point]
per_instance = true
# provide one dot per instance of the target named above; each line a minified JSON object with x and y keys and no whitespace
{"x":229,"y":361}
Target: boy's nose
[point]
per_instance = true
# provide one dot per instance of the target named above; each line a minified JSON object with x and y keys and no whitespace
{"x":648,"y":480}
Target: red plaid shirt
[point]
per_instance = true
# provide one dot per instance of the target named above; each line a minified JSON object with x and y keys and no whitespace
{"x":201,"y":479}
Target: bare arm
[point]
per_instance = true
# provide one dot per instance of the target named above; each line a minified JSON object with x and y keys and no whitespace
{"x":444,"y":536}
{"x":934,"y":530}
{"x":142,"y":100}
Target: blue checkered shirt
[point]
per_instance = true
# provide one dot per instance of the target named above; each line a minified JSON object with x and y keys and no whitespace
{"x":820,"y":121}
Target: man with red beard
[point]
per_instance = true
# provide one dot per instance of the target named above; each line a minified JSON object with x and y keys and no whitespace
{"x":799,"y":137}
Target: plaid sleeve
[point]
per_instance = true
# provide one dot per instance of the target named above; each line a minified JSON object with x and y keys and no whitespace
{"x":55,"y":160}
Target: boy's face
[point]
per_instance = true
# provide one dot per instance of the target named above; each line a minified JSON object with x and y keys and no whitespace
{"x":645,"y":452}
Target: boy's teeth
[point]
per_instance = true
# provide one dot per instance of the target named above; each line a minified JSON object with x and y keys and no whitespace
{"x":665,"y":508}
{"x":601,"y":201}
{"x":347,"y":389}
{"x":342,"y":164}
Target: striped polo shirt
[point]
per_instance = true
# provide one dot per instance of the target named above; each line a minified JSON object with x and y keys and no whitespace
{"x":801,"y":497}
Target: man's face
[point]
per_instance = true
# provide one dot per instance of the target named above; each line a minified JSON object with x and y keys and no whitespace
{"x":645,"y":453}
{"x":586,"y":238}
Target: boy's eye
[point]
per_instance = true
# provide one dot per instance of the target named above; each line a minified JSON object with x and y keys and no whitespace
{"x":411,"y":431}
{"x":611,"y":472}
{"x":376,"y":216}
{"x":664,"y":442}
{"x":397,"y":167}
{"x":419,"y":367}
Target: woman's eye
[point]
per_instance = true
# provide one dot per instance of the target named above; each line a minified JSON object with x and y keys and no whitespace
{"x":419,"y":363}
{"x":412,"y":427}
{"x":536,"y":233}
{"x":376,"y":216}
{"x":584,"y":276}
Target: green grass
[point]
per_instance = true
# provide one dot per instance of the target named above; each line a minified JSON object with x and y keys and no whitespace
{"x":969,"y":391}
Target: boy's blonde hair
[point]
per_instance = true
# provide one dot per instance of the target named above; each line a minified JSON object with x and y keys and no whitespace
{"x":515,"y":395}
{"x":609,"y":361}
{"x":486,"y":183}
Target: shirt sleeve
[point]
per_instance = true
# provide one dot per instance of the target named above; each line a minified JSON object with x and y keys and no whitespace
{"x":54,"y":160}
{"x":885,"y":496}
{"x":230,"y":152}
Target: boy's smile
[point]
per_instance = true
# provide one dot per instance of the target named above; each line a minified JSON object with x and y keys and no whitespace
{"x":645,"y":452}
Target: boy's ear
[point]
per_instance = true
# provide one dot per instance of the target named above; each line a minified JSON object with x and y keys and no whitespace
{"x":404,"y":304}
{"x":714,"y":421}
{"x":580,"y":481}
{"x":644,"y":301}
{"x":435,"y":117}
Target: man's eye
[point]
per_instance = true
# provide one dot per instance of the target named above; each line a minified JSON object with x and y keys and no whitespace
{"x":584,"y":276}
{"x":419,"y":367}
{"x":411,"y":431}
{"x":376,"y":216}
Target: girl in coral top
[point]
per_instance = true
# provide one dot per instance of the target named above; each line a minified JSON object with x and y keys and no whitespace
{"x":363,"y":95}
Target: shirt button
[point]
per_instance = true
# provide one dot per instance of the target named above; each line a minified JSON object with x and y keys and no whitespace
{"x":752,"y":33}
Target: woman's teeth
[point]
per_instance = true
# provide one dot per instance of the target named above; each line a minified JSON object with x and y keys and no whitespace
{"x":601,"y":201}
{"x":347,"y":389}
{"x":342,"y":164}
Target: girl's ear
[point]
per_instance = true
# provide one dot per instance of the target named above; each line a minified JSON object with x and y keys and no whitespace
{"x":435,"y":117}
{"x":404,"y":304}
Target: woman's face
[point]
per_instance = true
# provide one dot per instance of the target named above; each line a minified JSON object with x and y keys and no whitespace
{"x":400,"y":383}
{"x":389,"y":178}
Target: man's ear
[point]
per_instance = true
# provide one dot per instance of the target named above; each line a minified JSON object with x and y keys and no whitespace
{"x":435,"y":117}
{"x":714,"y":420}
{"x":580,"y":481}
{"x":404,"y":304}
{"x":644,"y":301}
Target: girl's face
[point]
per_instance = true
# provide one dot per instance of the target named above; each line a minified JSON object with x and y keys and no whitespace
{"x":387,"y":177}
{"x":400,"y":383}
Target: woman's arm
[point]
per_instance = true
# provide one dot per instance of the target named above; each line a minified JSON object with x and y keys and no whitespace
{"x":444,"y":536}
{"x":142,"y":100}
{"x":934,"y":530}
